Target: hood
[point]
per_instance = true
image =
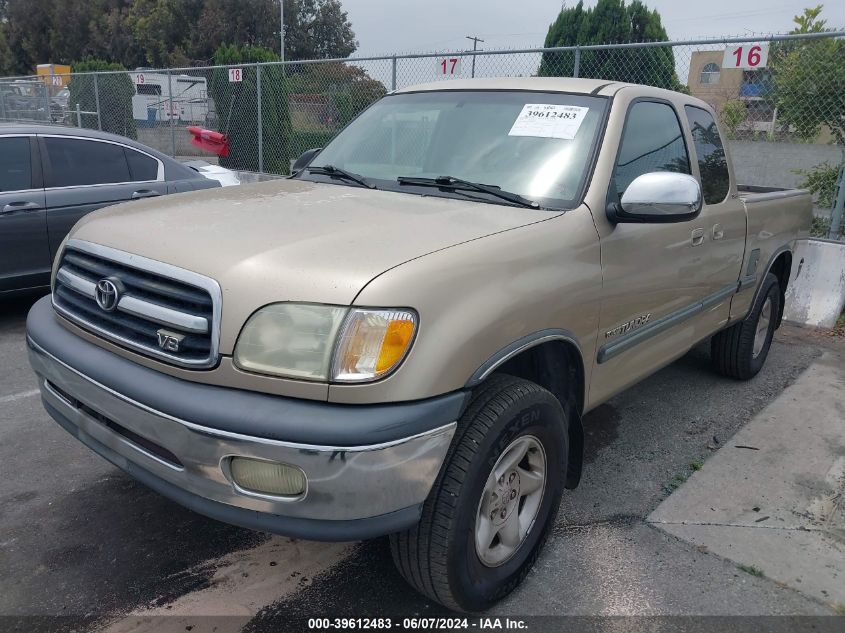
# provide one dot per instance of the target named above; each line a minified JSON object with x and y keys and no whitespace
{"x":293,"y":240}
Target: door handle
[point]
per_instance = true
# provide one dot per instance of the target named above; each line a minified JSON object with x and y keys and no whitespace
{"x":19,"y":206}
{"x":718,"y":232}
{"x":697,"y":237}
{"x":144,"y":193}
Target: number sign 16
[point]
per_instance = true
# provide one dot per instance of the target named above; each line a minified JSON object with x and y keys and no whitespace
{"x":236,"y":75}
{"x":747,"y":56}
{"x":449,"y":66}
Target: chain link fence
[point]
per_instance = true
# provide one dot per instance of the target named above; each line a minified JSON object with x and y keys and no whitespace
{"x":780,"y":100}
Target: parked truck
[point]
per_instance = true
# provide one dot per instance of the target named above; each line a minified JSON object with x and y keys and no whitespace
{"x":403,"y":338}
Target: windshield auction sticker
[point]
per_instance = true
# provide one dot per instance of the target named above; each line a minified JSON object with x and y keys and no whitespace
{"x":548,"y":120}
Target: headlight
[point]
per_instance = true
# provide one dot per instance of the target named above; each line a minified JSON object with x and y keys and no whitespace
{"x":290,"y":339}
{"x":316,"y":342}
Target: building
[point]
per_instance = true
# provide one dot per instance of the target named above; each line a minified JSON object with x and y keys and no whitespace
{"x":746,"y":91}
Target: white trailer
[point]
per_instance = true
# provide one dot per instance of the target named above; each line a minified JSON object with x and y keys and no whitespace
{"x":152,"y":104}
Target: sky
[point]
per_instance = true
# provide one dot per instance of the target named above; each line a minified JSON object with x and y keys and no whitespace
{"x":394,"y":26}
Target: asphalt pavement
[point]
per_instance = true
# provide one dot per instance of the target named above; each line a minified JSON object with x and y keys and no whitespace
{"x":81,"y":540}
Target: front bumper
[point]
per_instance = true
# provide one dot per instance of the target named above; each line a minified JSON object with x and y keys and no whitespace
{"x":125,"y":412}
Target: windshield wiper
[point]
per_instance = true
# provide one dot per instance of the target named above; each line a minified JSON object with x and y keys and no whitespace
{"x":458,"y":183}
{"x":337,"y":172}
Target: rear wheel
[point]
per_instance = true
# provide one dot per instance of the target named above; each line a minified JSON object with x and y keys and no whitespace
{"x":489,"y":513}
{"x":741,"y":350}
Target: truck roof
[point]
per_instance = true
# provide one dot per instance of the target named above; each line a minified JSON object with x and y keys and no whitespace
{"x":602,"y":87}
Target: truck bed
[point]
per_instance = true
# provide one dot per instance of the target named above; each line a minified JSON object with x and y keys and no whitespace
{"x":776,"y":218}
{"x":751,"y":193}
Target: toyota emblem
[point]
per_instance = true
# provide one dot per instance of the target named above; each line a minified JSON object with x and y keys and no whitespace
{"x":108,"y":294}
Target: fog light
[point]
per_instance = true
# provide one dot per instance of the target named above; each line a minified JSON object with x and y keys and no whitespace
{"x":268,"y":478}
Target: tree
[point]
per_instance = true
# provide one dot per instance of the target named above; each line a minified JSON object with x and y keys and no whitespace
{"x":349,"y":89}
{"x":165,"y":32}
{"x":734,"y":113}
{"x":317,"y":29}
{"x":611,"y":22}
{"x":809,"y":81}
{"x":26,"y":33}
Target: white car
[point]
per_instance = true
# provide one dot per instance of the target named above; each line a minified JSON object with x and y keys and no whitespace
{"x":226,"y":177}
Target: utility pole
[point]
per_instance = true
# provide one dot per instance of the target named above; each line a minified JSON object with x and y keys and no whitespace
{"x":475,"y":41}
{"x":282,"y":30}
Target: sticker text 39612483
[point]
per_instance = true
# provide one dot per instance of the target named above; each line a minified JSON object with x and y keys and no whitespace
{"x":548,"y":120}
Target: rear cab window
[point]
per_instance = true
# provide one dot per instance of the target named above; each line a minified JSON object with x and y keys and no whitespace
{"x":652,"y":140}
{"x":712,"y":162}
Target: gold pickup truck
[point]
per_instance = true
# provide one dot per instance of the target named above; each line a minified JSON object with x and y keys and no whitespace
{"x":403,"y":337}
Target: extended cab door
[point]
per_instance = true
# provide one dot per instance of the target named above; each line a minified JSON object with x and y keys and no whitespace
{"x":24,"y":253}
{"x":84,"y":174}
{"x":722,"y":218}
{"x":664,"y":285}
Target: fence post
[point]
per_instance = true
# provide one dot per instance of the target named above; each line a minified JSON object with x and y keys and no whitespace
{"x":260,"y":120}
{"x":393,"y":75}
{"x":47,"y":109}
{"x":78,"y":116}
{"x":97,"y":101}
{"x":577,"y":66}
{"x":170,"y":114}
{"x":838,"y":205}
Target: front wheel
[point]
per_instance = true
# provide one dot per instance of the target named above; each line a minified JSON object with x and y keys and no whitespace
{"x":489,"y":513}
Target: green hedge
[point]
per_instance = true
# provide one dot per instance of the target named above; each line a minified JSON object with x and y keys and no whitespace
{"x":115,"y":92}
{"x":298,"y":141}
{"x":236,"y":105}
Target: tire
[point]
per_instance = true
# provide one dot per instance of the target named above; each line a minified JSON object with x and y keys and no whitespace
{"x":740,"y":350}
{"x":439,"y":556}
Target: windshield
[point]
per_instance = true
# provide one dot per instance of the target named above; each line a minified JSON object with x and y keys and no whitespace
{"x":535,"y":144}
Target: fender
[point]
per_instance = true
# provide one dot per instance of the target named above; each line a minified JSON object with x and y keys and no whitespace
{"x":573,"y":408}
{"x":519,"y":346}
{"x":751,"y":277}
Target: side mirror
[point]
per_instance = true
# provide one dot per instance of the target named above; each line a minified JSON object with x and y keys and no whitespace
{"x":659,"y":196}
{"x":302,"y":162}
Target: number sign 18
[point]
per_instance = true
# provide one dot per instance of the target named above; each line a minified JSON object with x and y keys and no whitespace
{"x":747,"y":56}
{"x":236,"y":75}
{"x":449,"y":66}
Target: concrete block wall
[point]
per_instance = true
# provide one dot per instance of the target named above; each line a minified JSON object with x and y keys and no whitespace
{"x":815,"y":296}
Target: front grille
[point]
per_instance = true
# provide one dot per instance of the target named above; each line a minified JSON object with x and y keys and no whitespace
{"x":162,"y":311}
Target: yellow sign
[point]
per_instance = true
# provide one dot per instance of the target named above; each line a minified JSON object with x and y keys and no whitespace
{"x":56,"y":76}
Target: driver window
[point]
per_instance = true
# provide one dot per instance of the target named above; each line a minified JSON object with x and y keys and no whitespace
{"x":651,"y":141}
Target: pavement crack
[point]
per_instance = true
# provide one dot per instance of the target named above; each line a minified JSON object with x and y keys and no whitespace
{"x":799,"y":528}
{"x":618,"y":521}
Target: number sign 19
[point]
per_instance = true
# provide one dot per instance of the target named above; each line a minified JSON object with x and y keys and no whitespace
{"x":236,"y":75}
{"x":746,"y":56}
{"x":449,"y":66}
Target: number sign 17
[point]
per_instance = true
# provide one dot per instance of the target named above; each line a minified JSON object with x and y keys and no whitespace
{"x":747,"y":56}
{"x":449,"y":66}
